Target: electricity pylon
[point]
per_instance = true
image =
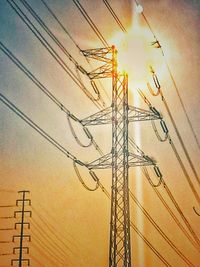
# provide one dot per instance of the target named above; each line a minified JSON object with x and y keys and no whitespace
{"x":21,"y":203}
{"x":119,"y":114}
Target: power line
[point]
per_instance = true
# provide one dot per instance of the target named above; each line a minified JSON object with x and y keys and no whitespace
{"x":91,"y":23}
{"x":44,"y":89}
{"x":160,"y":231}
{"x":53,"y":230}
{"x":167,"y":137}
{"x":159,"y":92}
{"x":42,"y":232}
{"x":79,"y":68}
{"x":70,"y":36}
{"x":24,"y":117}
{"x":50,"y":246}
{"x":116,"y":18}
{"x":44,"y":253}
{"x":158,"y":45}
{"x":50,"y":49}
{"x":170,"y":195}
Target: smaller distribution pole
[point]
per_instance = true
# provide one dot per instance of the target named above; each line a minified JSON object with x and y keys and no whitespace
{"x":22,"y":203}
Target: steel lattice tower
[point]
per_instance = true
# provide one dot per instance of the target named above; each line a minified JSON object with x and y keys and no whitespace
{"x":120,"y":247}
{"x":120,"y":159}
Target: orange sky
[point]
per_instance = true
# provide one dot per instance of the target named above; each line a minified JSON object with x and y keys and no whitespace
{"x":68,"y":221}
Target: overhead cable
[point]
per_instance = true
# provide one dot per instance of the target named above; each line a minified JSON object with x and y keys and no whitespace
{"x":91,"y":23}
{"x":79,"y":68}
{"x":44,"y":89}
{"x":116,"y":18}
{"x":167,"y":137}
{"x":157,"y":44}
{"x":50,"y":49}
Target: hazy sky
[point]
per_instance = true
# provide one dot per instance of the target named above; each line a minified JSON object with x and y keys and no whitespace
{"x":60,"y":204}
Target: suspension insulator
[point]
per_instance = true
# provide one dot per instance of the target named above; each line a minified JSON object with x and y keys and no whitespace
{"x":73,"y":117}
{"x":96,"y":90}
{"x":156,"y":82}
{"x":79,"y":162}
{"x":81,"y":69}
{"x":155,"y":111}
{"x":148,"y":158}
{"x":164,"y":127}
{"x":93,"y":175}
{"x":87,"y":132}
{"x":157,"y":171}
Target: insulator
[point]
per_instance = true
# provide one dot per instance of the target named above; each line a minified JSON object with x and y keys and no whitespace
{"x":87,"y":132}
{"x":73,"y":117}
{"x":157,"y":171}
{"x":93,"y":175}
{"x":79,"y":162}
{"x":81,"y":69}
{"x":148,"y":158}
{"x":96,"y":90}
{"x":164,"y":126}
{"x":155,"y":111}
{"x":151,"y":69}
{"x":156,"y":82}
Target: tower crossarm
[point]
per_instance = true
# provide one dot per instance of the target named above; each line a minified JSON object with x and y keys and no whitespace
{"x":138,"y":160}
{"x":104,"y":162}
{"x":104,"y":71}
{"x":101,"y":117}
{"x":134,"y":114}
{"x":99,"y":54}
{"x":134,"y":160}
{"x":138,"y":114}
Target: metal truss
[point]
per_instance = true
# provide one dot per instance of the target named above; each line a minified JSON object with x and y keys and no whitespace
{"x":134,"y":160}
{"x":134,"y":114}
{"x":119,"y":159}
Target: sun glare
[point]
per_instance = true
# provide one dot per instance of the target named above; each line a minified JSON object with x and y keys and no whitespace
{"x":136,"y":53}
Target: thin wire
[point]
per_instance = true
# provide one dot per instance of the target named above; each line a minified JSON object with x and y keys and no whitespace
{"x":24,"y":117}
{"x":7,"y":217}
{"x":184,"y":170}
{"x":52,"y":246}
{"x":180,"y":226}
{"x":44,"y":253}
{"x":81,"y":179}
{"x":91,"y":23}
{"x":176,"y":154}
{"x":46,"y":236}
{"x":186,"y":222}
{"x":160,"y":231}
{"x":44,"y":89}
{"x":51,"y":229}
{"x":155,"y":251}
{"x":36,"y":260}
{"x":51,"y":251}
{"x":75,"y":136}
{"x":72,"y":39}
{"x":60,"y":45}
{"x":116,"y":18}
{"x":8,"y":206}
{"x":50,"y":49}
{"x":180,"y":139}
{"x":171,"y":76}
